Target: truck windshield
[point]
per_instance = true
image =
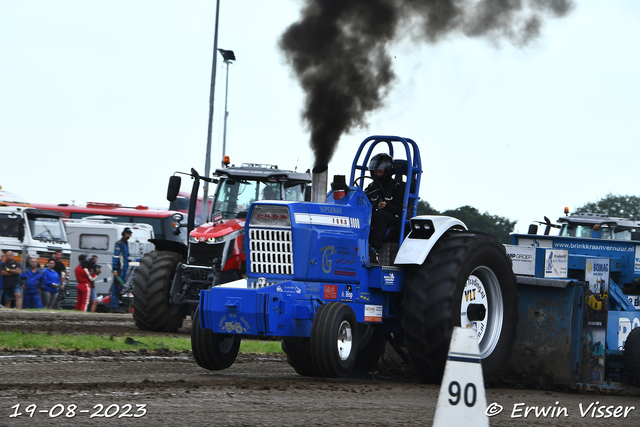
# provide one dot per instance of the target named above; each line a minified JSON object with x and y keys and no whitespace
{"x":572,"y":230}
{"x":9,"y":225}
{"x":46,"y":228}
{"x":235,"y":196}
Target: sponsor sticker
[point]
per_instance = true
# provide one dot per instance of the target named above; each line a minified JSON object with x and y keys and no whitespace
{"x":330,"y":291}
{"x":523,"y":259}
{"x":347,"y":294}
{"x":556,"y":263}
{"x":597,"y":275}
{"x":389,"y":279}
{"x":372,"y":313}
{"x":233,"y":323}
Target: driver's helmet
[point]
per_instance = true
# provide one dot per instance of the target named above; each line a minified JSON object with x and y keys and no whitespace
{"x":381,"y":161}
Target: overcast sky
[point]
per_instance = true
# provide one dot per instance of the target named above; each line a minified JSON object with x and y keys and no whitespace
{"x":104,"y":100}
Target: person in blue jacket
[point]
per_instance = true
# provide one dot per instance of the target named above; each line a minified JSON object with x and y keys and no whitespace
{"x":119,"y":264}
{"x":50,"y":285}
{"x":32,"y":281}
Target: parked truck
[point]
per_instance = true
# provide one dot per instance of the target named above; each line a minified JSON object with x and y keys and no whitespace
{"x":169,"y":279}
{"x":25,"y":230}
{"x":310,"y":281}
{"x":579,"y":295}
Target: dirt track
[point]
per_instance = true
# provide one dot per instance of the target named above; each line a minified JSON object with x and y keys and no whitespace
{"x":257,"y":390}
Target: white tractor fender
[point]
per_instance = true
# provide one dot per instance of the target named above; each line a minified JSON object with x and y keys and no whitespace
{"x":415,"y":250}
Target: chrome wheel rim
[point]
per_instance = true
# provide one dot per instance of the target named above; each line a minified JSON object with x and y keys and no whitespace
{"x":483,"y":287}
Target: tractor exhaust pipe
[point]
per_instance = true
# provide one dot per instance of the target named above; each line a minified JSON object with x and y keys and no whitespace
{"x":319,"y":178}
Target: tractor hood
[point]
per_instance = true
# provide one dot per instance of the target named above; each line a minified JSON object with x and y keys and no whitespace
{"x":217,"y":230}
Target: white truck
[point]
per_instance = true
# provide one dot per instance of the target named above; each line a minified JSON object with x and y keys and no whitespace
{"x":97,"y":235}
{"x":25,"y":230}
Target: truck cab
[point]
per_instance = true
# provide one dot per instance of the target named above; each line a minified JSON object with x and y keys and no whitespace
{"x":598,"y":226}
{"x":25,"y":230}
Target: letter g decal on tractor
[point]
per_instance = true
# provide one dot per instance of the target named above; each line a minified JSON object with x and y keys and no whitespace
{"x":326,"y":260}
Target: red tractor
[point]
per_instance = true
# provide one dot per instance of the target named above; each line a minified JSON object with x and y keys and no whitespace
{"x":169,"y":280}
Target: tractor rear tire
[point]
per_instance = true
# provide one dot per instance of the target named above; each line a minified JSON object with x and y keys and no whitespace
{"x":212,"y":351}
{"x":298,"y":351}
{"x":462,"y":267}
{"x":632,"y":356}
{"x":151,"y":286}
{"x":334,"y":340}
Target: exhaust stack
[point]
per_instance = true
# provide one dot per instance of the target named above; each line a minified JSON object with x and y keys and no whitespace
{"x":319,"y":178}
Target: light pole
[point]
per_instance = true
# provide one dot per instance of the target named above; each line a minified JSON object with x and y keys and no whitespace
{"x":227,"y":57}
{"x":207,"y":162}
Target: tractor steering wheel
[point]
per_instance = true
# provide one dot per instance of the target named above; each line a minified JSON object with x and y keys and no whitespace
{"x":355,"y":183}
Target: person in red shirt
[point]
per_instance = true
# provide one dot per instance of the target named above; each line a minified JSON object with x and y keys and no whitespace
{"x":84,"y":277}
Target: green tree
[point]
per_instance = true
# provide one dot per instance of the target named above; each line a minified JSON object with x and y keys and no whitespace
{"x":424,"y":208}
{"x":499,"y":227}
{"x":614,"y":206}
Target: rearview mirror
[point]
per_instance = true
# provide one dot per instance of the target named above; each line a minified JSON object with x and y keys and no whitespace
{"x":174,"y":188}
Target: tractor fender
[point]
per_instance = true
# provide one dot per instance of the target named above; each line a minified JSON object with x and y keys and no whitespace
{"x":170,"y":246}
{"x":414,"y":250}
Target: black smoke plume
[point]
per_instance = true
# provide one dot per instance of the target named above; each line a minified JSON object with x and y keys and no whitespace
{"x":338,"y":50}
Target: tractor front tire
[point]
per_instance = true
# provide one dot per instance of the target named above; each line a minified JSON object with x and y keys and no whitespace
{"x":212,"y":351}
{"x":632,"y":356}
{"x":465,"y":272}
{"x":298,"y":351}
{"x":334,"y":340}
{"x":151,"y":286}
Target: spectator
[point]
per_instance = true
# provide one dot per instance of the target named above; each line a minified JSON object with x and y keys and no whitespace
{"x":1,"y":289}
{"x":32,"y":281}
{"x":61,"y":269}
{"x":120,"y":264}
{"x":83,"y":276}
{"x":11,"y":288}
{"x":96,"y":272}
{"x":50,"y":285}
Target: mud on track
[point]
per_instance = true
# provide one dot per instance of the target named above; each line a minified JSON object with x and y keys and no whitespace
{"x":258,"y":390}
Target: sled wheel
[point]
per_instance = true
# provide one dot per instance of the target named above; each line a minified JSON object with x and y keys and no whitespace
{"x":212,"y":351}
{"x":298,"y":351}
{"x":371,"y":346}
{"x":465,"y":281}
{"x":151,"y":288}
{"x":334,"y":340}
{"x":632,"y":356}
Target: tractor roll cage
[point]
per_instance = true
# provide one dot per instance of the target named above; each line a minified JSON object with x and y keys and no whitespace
{"x":410,"y":168}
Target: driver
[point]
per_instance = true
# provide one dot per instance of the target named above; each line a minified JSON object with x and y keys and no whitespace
{"x":269,"y":193}
{"x":386,"y":195}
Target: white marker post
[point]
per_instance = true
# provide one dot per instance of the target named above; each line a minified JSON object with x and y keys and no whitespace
{"x":462,"y":400}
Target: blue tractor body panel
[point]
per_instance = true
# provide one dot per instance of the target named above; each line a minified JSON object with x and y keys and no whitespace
{"x":330,"y":265}
{"x":301,"y":255}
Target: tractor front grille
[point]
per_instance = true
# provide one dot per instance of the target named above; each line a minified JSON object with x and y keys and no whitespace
{"x":271,"y":251}
{"x":204,"y":254}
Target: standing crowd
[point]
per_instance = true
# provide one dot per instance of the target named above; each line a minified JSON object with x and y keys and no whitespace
{"x":40,"y":288}
{"x":34,"y":287}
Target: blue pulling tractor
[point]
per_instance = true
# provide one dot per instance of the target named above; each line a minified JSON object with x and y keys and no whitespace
{"x":310,"y":282}
{"x":579,"y":303}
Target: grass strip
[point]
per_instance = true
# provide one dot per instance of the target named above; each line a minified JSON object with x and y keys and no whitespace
{"x":28,"y":341}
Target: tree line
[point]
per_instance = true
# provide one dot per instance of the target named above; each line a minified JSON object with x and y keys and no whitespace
{"x":501,"y":228}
